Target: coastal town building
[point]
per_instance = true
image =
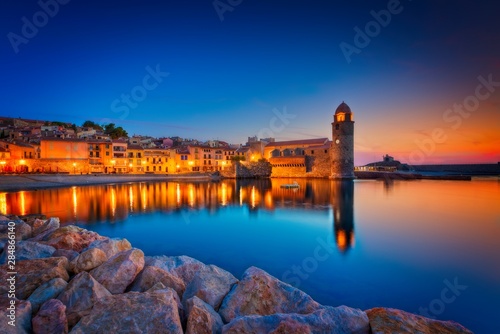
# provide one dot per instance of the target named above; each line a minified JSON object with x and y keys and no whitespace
{"x":65,"y":148}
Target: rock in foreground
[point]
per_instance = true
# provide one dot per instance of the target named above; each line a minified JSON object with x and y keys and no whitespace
{"x":328,"y":320}
{"x":133,"y":312}
{"x":387,"y":320}
{"x":262,"y":294}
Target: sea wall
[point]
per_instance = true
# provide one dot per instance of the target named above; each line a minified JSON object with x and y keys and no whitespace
{"x":248,"y":170}
{"x":317,"y":165}
{"x":69,"y":279}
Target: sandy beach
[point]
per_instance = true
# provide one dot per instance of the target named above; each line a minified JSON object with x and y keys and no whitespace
{"x":9,"y":183}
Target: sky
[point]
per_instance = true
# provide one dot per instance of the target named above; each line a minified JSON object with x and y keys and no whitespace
{"x":421,"y":77}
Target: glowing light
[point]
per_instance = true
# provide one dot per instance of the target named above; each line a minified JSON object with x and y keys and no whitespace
{"x":3,"y":203}
{"x":191,"y":195}
{"x":341,"y":240}
{"x":2,"y":162}
{"x":190,"y":163}
{"x":74,"y":164}
{"x":113,"y":162}
{"x":23,"y":203}
{"x":252,"y":197}
{"x":178,"y":193}
{"x":75,"y":202}
{"x":131,"y":198}
{"x":224,"y":194}
{"x":113,"y":201}
{"x":130,"y":165}
{"x":22,"y":162}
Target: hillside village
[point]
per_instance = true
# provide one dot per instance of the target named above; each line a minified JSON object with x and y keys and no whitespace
{"x":55,"y":147}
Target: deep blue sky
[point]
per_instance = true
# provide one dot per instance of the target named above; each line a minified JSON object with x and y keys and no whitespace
{"x":226,"y":77}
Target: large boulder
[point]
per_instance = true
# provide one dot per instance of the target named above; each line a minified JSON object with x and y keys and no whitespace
{"x":87,"y":260}
{"x":67,"y":253}
{"x":80,"y":295}
{"x":71,"y":237}
{"x":110,"y":247}
{"x":387,"y":320}
{"x":22,"y":230}
{"x":154,"y":312}
{"x":331,"y":320}
{"x":21,"y":316}
{"x":119,"y":271}
{"x":51,"y":318}
{"x":211,"y":284}
{"x":184,"y":267}
{"x":151,"y":275}
{"x":48,"y":290}
{"x":40,"y":226}
{"x":33,"y":273}
{"x":202,"y":318}
{"x":262,"y":294}
{"x":28,"y":250}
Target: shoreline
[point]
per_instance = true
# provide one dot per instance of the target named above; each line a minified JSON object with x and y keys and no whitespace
{"x":78,"y":281}
{"x":33,"y":182}
{"x":14,"y":183}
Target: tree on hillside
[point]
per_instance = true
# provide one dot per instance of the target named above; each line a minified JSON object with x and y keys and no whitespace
{"x":114,"y":132}
{"x":93,"y":125}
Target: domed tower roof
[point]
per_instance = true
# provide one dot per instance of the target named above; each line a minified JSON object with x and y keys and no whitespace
{"x":343,"y":108}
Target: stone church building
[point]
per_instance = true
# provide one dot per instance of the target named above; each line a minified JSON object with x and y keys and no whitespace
{"x":322,"y":158}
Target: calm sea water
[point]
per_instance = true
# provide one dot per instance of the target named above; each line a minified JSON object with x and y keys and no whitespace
{"x":429,"y":247}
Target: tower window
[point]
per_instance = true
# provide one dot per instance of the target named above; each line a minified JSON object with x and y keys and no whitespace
{"x":337,"y":126}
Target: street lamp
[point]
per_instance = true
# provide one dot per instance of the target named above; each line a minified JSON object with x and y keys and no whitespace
{"x":74,"y":167}
{"x":130,"y":166}
{"x":178,"y":167}
{"x":113,"y":162}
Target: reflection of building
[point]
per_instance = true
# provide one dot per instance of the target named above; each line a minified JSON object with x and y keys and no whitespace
{"x":343,"y":213}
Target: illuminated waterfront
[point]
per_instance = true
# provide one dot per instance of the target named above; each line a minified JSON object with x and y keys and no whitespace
{"x":394,"y":244}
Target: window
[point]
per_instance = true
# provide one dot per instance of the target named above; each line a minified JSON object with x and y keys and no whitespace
{"x":159,"y":168}
{"x":91,"y":154}
{"x":147,"y":168}
{"x":154,"y":168}
{"x":138,"y":162}
{"x":97,"y":154}
{"x":337,"y":126}
{"x":326,"y":151}
{"x":312,"y":151}
{"x":107,"y":153}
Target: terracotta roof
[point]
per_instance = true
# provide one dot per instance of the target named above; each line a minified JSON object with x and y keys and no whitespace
{"x":62,"y":139}
{"x":134,"y":147}
{"x":316,"y":141}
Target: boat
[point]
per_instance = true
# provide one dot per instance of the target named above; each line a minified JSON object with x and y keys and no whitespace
{"x":293,"y":185}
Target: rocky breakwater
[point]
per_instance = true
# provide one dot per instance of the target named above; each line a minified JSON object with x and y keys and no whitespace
{"x":73,"y":280}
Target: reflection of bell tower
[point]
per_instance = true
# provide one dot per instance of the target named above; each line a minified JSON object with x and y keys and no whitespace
{"x":342,"y":149}
{"x":343,"y":214}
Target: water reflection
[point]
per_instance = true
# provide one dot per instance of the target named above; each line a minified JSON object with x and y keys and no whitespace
{"x":114,"y":203}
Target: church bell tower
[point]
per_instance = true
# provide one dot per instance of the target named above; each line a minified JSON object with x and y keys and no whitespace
{"x":342,"y":149}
